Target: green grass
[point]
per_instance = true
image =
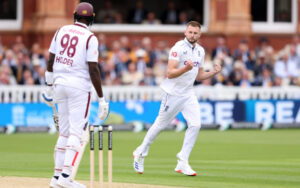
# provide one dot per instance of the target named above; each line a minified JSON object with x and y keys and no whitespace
{"x":230,"y":159}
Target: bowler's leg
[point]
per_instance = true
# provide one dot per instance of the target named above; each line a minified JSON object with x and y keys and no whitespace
{"x":170,"y":107}
{"x":191,"y":113}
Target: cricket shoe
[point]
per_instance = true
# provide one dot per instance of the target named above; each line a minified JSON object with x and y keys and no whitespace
{"x":184,"y":168}
{"x":138,"y":163}
{"x":53,"y":183}
{"x":67,"y":183}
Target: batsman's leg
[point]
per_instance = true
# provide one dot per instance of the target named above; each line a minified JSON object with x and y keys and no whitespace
{"x":79,"y":154}
{"x":59,"y":156}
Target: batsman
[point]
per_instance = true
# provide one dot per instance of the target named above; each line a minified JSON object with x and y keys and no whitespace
{"x":72,"y":69}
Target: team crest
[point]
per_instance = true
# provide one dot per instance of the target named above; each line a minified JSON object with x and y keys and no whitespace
{"x":174,"y":54}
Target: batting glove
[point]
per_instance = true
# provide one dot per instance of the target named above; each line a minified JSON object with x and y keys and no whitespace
{"x":48,"y":96}
{"x":103,"y":109}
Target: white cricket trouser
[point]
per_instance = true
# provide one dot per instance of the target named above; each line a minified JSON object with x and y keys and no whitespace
{"x":170,"y":106}
{"x":73,"y":111}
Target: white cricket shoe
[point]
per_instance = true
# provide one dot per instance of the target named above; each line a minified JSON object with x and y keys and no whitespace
{"x":67,"y":183}
{"x":138,"y":163}
{"x":53,"y":183}
{"x":184,"y":168}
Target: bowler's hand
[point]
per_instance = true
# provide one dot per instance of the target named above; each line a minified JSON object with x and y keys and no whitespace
{"x":189,"y":65}
{"x":103,"y":109}
{"x":47,"y":95}
{"x":217,"y":68}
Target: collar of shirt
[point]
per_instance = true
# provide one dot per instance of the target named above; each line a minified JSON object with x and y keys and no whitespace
{"x":189,"y":44}
{"x":81,"y":25}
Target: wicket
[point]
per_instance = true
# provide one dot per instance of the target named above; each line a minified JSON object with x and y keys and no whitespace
{"x":92,"y":159}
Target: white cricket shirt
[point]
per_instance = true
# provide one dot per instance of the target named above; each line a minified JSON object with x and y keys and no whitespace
{"x":74,"y":46}
{"x":183,"y":51}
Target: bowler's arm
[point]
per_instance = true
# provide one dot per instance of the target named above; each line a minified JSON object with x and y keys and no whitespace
{"x":173,"y":71}
{"x":206,"y":75}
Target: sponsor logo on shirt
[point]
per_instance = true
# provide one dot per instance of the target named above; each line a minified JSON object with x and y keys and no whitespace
{"x":74,"y":31}
{"x":174,"y":54}
{"x":196,"y":63}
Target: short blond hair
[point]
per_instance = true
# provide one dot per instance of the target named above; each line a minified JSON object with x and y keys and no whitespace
{"x":193,"y":24}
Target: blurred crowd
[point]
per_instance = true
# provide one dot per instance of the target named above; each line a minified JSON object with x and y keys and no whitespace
{"x":143,"y":62}
{"x":172,"y":14}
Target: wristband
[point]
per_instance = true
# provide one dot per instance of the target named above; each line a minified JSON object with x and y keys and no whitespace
{"x":49,"y":77}
{"x":101,"y":99}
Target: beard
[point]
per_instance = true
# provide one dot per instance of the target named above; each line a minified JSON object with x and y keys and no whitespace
{"x":192,"y":41}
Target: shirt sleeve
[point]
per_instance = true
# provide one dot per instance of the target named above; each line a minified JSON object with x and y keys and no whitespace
{"x":174,"y":53}
{"x":92,"y":50}
{"x":52,"y":48}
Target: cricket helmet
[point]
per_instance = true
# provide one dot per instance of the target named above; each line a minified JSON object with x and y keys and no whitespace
{"x":85,"y":11}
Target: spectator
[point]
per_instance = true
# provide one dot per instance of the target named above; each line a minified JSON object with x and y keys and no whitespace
{"x":226,"y":62}
{"x":242,"y":52}
{"x":236,"y":75}
{"x":161,"y":49}
{"x":141,"y":63}
{"x":125,"y":45}
{"x":118,"y":18}
{"x":137,"y":44}
{"x":266,"y":79}
{"x":183,"y":19}
{"x":295,"y":42}
{"x":137,"y":14}
{"x":20,"y":66}
{"x":27,"y":78}
{"x":151,"y":19}
{"x":132,"y":77}
{"x":221,"y":47}
{"x":118,"y":58}
{"x":160,"y":68}
{"x":250,"y":62}
{"x":107,"y":14}
{"x":9,"y":58}
{"x":18,"y":45}
{"x":108,"y":79}
{"x":38,"y":72}
{"x":150,"y":54}
{"x":171,"y":14}
{"x":102,"y":48}
{"x":36,"y":54}
{"x":246,"y":79}
{"x":261,"y":64}
{"x":188,"y":10}
{"x":286,"y":69}
{"x":6,"y":77}
{"x":107,"y":71}
{"x":266,"y":48}
{"x":148,"y":79}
